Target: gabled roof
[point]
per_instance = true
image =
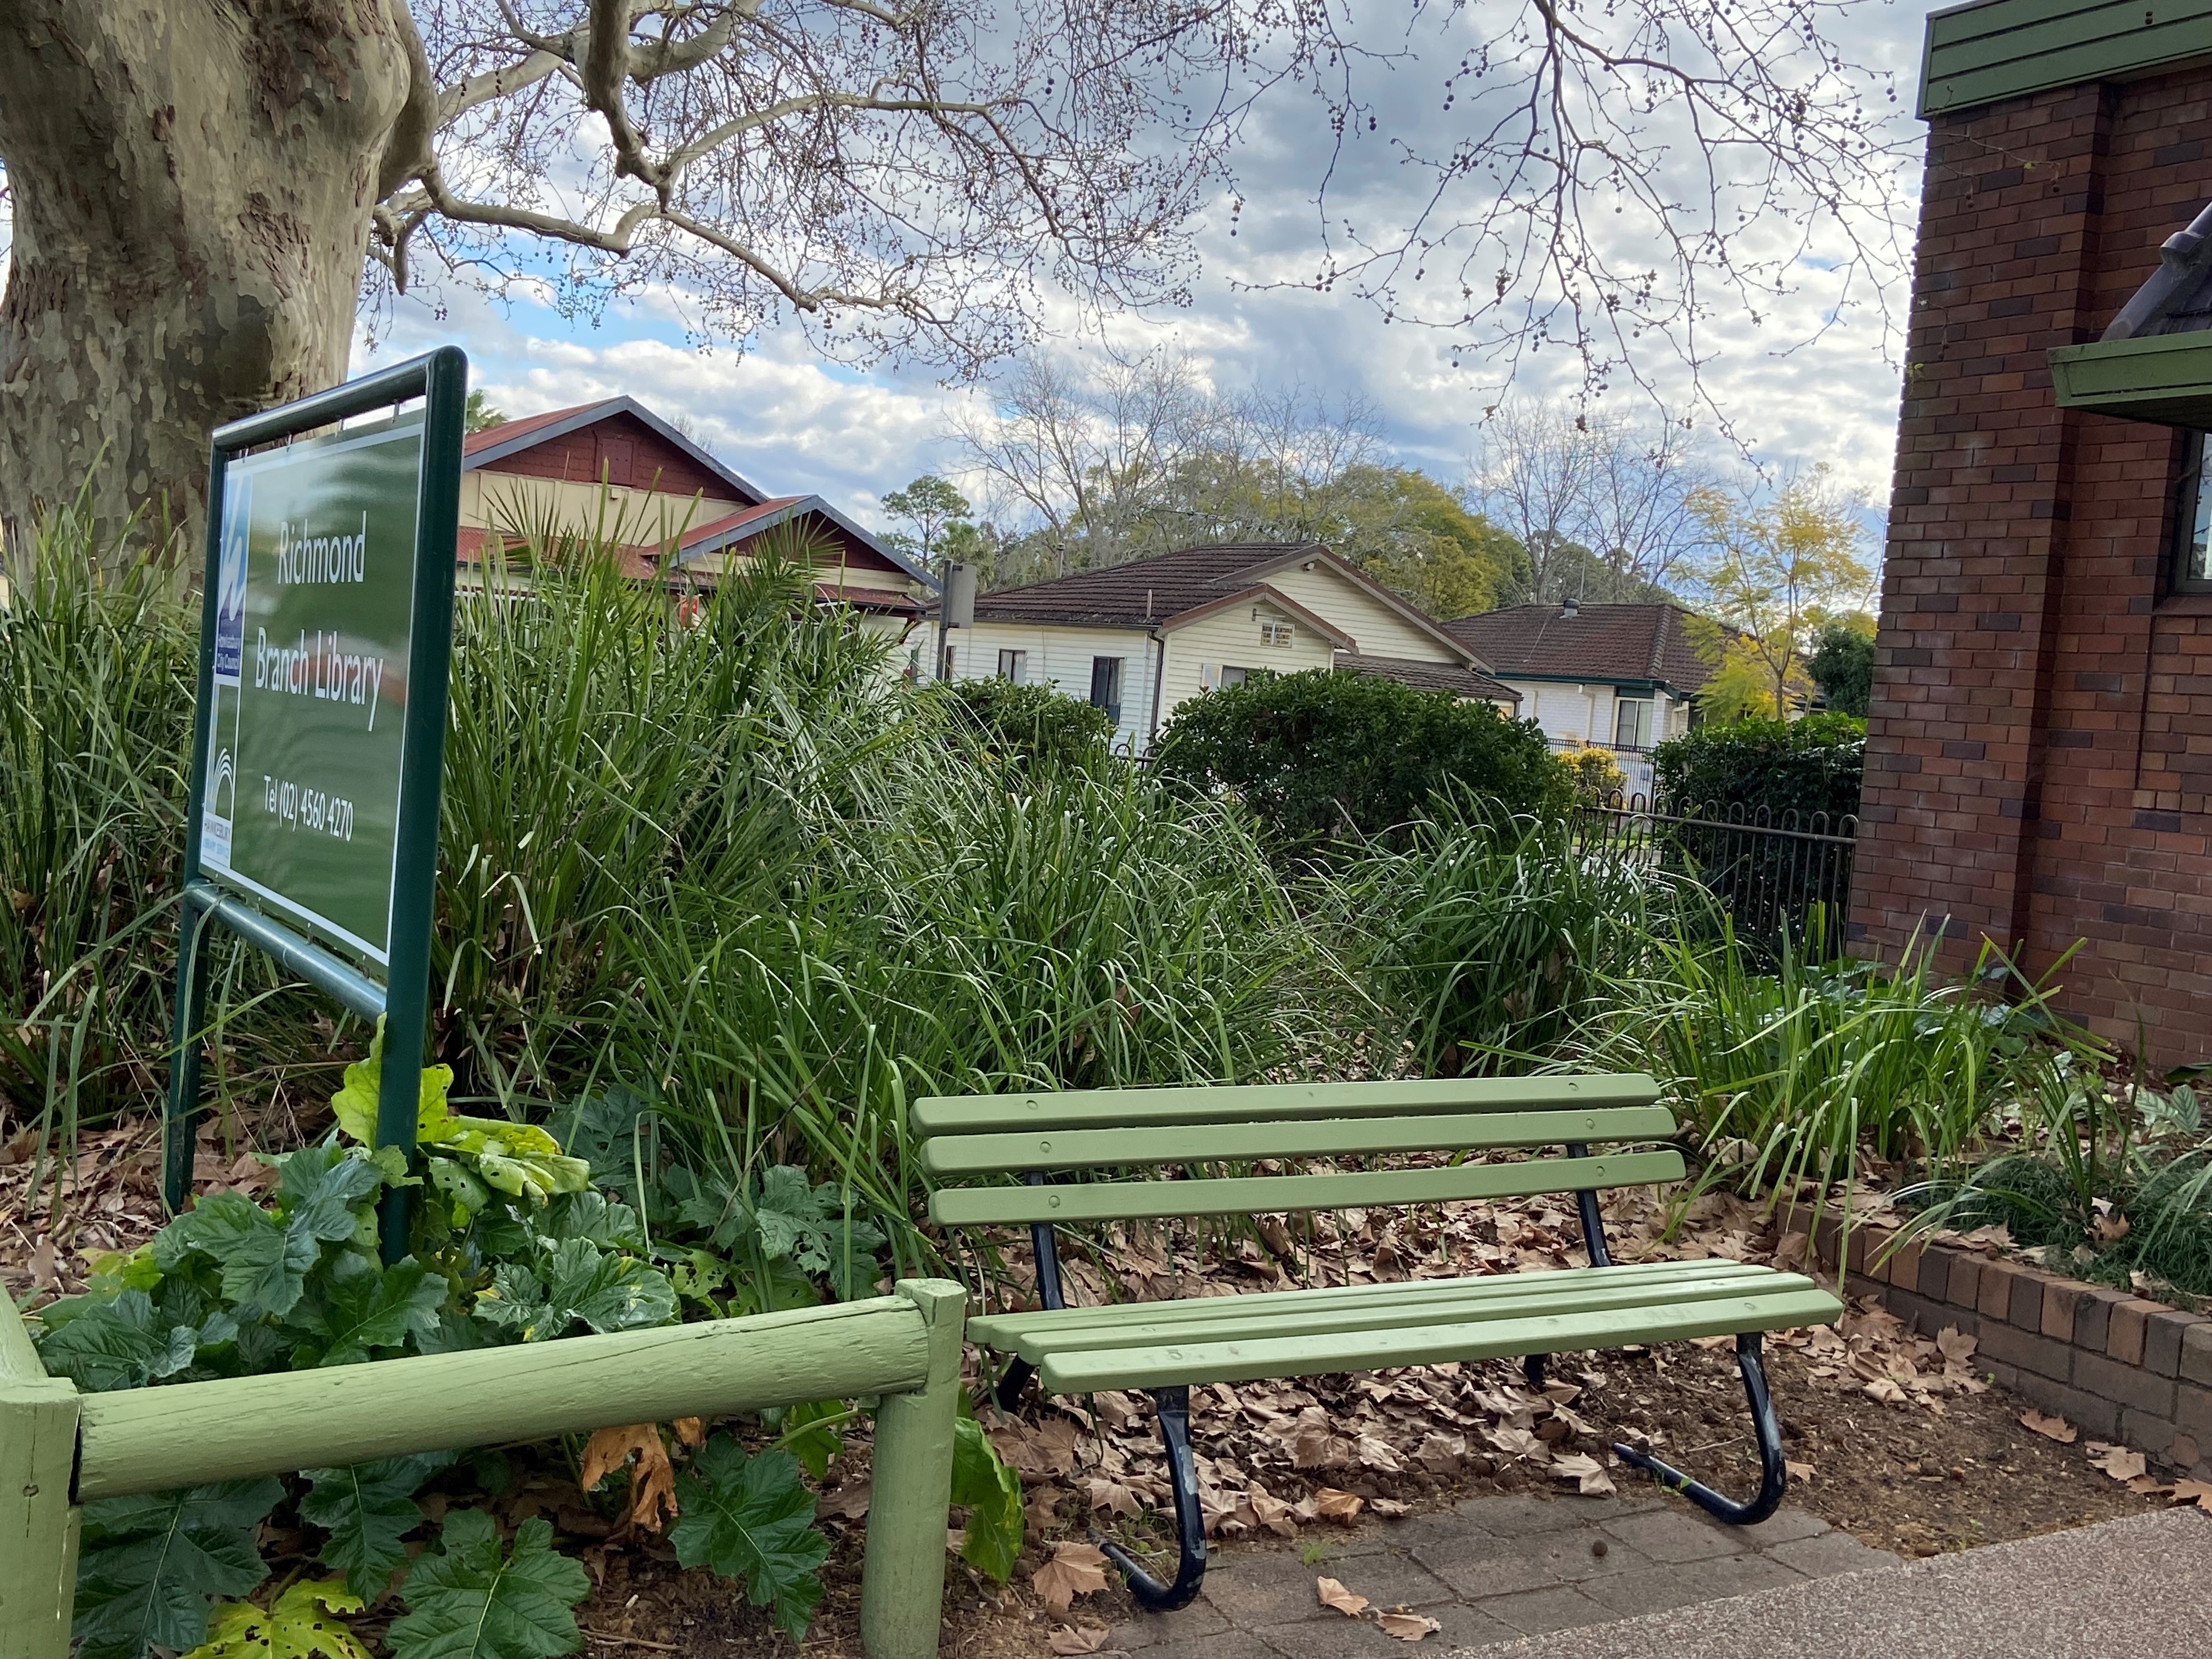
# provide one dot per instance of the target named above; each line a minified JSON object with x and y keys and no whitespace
{"x":1149,"y":593}
{"x":1429,"y":677}
{"x":1262,"y":592}
{"x":748,"y":522}
{"x":512,"y":438}
{"x":1619,"y":644}
{"x":496,"y":443}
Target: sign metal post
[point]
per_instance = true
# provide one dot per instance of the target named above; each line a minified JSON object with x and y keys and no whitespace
{"x":319,"y":737}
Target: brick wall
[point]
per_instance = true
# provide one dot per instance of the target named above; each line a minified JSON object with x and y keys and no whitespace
{"x":2040,"y":748}
{"x":2117,"y":1367}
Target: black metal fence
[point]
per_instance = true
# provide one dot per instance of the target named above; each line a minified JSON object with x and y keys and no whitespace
{"x":1769,"y":869}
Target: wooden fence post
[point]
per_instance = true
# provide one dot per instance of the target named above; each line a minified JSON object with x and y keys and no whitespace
{"x":903,"y":1582}
{"x":38,"y":1523}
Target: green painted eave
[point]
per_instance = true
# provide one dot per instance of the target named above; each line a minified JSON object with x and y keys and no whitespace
{"x":2167,"y":378}
{"x":1992,"y":49}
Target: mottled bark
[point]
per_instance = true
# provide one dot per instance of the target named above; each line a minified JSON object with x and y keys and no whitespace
{"x":192,"y":183}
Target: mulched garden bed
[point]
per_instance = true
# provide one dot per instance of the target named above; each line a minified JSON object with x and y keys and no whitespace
{"x":1896,"y":1438}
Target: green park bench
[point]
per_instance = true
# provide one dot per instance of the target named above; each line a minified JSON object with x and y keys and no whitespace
{"x":1055,"y":1142}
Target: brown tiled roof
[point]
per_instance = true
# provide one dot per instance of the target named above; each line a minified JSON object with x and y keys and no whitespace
{"x":1142,"y":593}
{"x":1613,"y":643}
{"x":1429,"y":677}
{"x":1148,"y":592}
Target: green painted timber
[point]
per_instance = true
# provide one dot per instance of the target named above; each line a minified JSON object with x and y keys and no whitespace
{"x":910,"y":1473}
{"x":904,"y":1348}
{"x":38,"y":1523}
{"x":141,"y":1440}
{"x":1211,"y":1143}
{"x":1424,"y":1344}
{"x":1129,"y":1200}
{"x":18,"y":1358}
{"x":1261,"y":1103}
{"x":1476,"y":1308}
{"x":2165,"y":378}
{"x":1997,"y":49}
{"x":1325,"y":1306}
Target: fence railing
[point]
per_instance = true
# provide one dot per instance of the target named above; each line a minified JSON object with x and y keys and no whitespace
{"x":59,"y":1449}
{"x":1769,"y":869}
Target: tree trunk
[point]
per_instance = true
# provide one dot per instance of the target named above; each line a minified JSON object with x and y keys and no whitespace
{"x":192,"y":183}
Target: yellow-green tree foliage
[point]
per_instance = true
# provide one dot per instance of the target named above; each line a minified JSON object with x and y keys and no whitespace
{"x":1777,"y":568}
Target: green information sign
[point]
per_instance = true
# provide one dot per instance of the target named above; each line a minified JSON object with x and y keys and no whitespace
{"x":314,"y":617}
{"x":326,"y":628}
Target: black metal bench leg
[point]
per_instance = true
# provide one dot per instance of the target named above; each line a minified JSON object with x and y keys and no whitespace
{"x":1173,"y":1406}
{"x":1008,"y":1392}
{"x":1531,"y":1368}
{"x":1773,"y":1473}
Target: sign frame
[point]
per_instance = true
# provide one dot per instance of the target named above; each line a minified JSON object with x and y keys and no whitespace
{"x":440,"y":378}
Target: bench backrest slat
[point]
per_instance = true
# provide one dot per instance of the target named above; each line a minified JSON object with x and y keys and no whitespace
{"x":1206,"y":1143}
{"x":1129,"y":1200}
{"x":1273,"y":1102}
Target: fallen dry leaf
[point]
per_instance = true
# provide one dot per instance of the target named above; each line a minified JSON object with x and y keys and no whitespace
{"x":1111,"y":1496}
{"x":1332,"y":1594}
{"x":1408,"y":1626}
{"x":1075,"y":1569}
{"x":652,"y":1483}
{"x":2121,"y":1463}
{"x":1586,"y":1471}
{"x":1330,"y":1505}
{"x":1956,"y":1345}
{"x":2050,"y":1428}
{"x":689,"y":1432}
{"x":1799,"y":1471}
{"x":1072,"y":1639}
{"x":2198,"y":1492}
{"x":849,"y":1500}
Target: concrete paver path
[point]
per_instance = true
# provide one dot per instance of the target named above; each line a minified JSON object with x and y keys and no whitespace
{"x":1492,"y":1571}
{"x":2117,"y":1590}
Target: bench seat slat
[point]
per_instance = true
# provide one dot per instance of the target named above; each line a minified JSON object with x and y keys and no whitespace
{"x":1087,"y":1371}
{"x":1083,"y":1149}
{"x":1475,"y":1309}
{"x":956,"y":1206}
{"x":1272,"y":1102}
{"x":1407,"y":1296}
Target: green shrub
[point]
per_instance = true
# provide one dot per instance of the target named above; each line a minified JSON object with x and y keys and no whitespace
{"x":1492,"y":942}
{"x":96,"y":678}
{"x":1842,"y":665}
{"x":1320,"y":755}
{"x":1030,"y":725}
{"x":1793,"y":1075}
{"x":1807,"y":766}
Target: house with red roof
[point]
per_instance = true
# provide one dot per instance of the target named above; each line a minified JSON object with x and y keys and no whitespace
{"x":678,"y":513}
{"x":1618,"y":676}
{"x":1138,"y":640}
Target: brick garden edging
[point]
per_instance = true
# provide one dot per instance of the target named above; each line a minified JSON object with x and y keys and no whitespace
{"x":2119,"y":1366}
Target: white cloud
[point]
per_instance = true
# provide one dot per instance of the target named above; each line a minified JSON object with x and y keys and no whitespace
{"x":790,"y":422}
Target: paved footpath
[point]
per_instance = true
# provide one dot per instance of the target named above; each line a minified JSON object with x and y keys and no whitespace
{"x":2129,"y":1589}
{"x":1492,"y":1571}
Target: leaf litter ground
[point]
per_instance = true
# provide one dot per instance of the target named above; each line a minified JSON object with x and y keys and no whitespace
{"x":1894,"y":1437}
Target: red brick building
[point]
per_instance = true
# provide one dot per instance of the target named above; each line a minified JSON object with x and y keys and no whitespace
{"x":2039,"y":752}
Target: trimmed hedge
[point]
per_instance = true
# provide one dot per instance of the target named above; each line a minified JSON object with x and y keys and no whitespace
{"x":1811,"y":765}
{"x":1031,"y":724}
{"x":1320,"y":754}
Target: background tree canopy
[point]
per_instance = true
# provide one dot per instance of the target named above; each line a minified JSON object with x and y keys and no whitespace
{"x":197,"y":209}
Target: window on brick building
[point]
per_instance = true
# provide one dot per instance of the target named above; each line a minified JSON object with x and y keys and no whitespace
{"x":2192,"y":523}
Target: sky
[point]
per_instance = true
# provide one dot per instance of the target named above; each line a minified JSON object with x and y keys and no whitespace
{"x":794,"y":423}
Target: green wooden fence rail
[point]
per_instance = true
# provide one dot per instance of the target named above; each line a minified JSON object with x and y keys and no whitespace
{"x":59,"y":1448}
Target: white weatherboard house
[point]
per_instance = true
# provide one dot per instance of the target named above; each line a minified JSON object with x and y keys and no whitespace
{"x":1140,"y":640}
{"x":1618,"y":676}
